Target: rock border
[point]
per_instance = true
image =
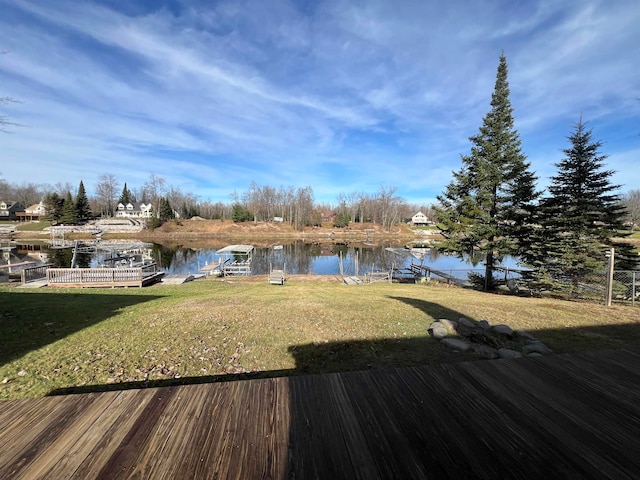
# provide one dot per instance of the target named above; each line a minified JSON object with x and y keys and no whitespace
{"x":485,"y":340}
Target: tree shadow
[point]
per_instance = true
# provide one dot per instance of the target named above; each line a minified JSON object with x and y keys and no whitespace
{"x":32,"y":320}
{"x":359,"y":355}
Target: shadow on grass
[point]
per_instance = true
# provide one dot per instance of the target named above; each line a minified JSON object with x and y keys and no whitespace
{"x":330,"y":357}
{"x":29,"y":321}
{"x":358,"y":355}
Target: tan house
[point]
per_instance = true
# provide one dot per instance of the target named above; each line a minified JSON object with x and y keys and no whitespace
{"x":32,"y":213}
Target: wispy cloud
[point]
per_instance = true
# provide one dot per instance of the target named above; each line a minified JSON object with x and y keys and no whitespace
{"x":341,"y":95}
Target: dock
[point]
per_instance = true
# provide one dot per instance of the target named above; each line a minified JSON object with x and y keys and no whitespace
{"x":236,"y":259}
{"x":180,"y":278}
{"x":104,"y":277}
{"x":553,"y":417}
{"x":277,"y":277}
{"x":352,"y":280}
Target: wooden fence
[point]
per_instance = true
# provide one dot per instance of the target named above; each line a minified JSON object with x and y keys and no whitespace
{"x":103,"y":277}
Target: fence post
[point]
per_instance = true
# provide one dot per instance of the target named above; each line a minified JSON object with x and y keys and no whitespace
{"x":610,"y":278}
{"x":633,"y":290}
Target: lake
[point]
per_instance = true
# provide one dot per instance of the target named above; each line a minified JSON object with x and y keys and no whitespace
{"x":297,"y":257}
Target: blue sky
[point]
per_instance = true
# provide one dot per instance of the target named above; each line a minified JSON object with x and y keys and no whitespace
{"x":340,"y":95}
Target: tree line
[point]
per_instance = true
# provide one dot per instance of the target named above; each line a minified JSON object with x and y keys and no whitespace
{"x":295,"y":206}
{"x":492,"y":206}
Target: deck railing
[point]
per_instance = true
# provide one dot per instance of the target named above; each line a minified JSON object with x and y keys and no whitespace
{"x":30,"y":274}
{"x":101,"y":277}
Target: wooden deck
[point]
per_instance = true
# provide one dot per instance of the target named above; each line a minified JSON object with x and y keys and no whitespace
{"x":561,"y":416}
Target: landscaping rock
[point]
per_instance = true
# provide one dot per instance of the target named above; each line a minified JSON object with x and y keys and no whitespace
{"x":465,"y":322}
{"x":503,"y":330}
{"x":508,"y":353}
{"x":449,"y":325}
{"x":524,"y":334}
{"x":434,"y":324}
{"x":439,"y":332}
{"x":484,"y":324}
{"x":485,"y":341}
{"x":456,"y":344}
{"x":536,"y":347}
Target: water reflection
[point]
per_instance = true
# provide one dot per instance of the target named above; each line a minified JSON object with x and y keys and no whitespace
{"x":298,"y":257}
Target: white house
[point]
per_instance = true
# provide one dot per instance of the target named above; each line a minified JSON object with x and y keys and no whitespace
{"x":420,"y":219}
{"x":137,"y":210}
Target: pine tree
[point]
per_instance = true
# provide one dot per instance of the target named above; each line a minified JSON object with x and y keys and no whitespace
{"x":582,"y":213}
{"x":488,"y":207}
{"x":166,"y":212}
{"x":83,"y":209}
{"x":53,"y":204}
{"x":126,"y":196}
{"x":69,"y":212}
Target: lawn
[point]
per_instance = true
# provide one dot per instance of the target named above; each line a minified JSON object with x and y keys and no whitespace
{"x":54,"y":341}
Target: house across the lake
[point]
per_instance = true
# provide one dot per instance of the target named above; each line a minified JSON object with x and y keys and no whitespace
{"x":134,"y":210}
{"x":420,"y":219}
{"x":32,"y":213}
{"x":9,"y":210}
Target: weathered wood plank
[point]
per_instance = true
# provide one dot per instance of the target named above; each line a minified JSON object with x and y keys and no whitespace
{"x":563,"y":416}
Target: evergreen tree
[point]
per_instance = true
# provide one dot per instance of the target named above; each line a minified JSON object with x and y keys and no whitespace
{"x":582,"y":213}
{"x":153,"y":221}
{"x":240,"y":213}
{"x":53,"y":204}
{"x":126,"y":196}
{"x":489,"y":205}
{"x":68,"y":214}
{"x":166,"y":212}
{"x":83,"y":209}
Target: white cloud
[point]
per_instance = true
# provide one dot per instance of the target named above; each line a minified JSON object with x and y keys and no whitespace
{"x":300,"y":93}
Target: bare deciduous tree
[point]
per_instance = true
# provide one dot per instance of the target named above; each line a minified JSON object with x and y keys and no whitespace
{"x":106,"y":191}
{"x":631,"y":201}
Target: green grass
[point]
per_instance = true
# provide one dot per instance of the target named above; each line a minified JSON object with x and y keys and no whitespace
{"x":210,"y":330}
{"x":32,"y":226}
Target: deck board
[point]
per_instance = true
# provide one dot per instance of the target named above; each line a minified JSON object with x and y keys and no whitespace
{"x":562,"y":416}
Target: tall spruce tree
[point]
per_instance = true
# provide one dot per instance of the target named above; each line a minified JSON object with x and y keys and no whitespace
{"x":581,"y":215}
{"x":83,"y":209}
{"x":489,"y":205}
{"x":126,"y":196}
{"x":68,"y":214}
{"x":166,"y":212}
{"x":53,"y":204}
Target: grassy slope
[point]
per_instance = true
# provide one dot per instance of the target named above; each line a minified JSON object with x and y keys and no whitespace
{"x":51,"y":339}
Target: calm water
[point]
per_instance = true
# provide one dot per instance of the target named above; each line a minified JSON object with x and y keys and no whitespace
{"x":320,"y":259}
{"x":296,"y":257}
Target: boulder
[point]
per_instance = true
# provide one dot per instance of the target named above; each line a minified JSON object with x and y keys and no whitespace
{"x":465,"y":322}
{"x":439,"y":332}
{"x":503,"y":330}
{"x":455,"y":344}
{"x":508,"y":353}
{"x":484,"y":324}
{"x":536,"y":347}
{"x":524,"y":334}
{"x":449,"y":325}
